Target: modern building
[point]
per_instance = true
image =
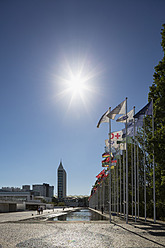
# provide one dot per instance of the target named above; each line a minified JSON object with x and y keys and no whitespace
{"x":61,"y":182}
{"x":26,"y":187}
{"x":16,"y":199}
{"x":16,"y":196}
{"x":44,"y":190}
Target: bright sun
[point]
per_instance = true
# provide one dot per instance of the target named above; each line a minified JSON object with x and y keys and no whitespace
{"x":77,"y":85}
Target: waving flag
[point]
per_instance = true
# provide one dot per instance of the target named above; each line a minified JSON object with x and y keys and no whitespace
{"x":103,"y":118}
{"x":112,"y":166}
{"x":146,"y":110}
{"x":105,"y":162}
{"x":101,"y":173}
{"x":106,"y":173}
{"x":105,"y":155}
{"x":130,"y":127}
{"x":129,"y":117}
{"x":120,"y":109}
{"x":116,"y":135}
{"x":105,"y":165}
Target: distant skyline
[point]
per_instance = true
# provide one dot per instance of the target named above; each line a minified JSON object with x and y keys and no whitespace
{"x":62,"y":65}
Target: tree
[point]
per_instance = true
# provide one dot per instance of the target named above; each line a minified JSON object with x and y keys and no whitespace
{"x":157,"y":93}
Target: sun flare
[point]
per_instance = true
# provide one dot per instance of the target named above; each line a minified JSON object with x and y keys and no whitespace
{"x":77,"y":83}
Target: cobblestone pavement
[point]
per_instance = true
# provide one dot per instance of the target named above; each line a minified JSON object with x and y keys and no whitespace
{"x":97,"y":234}
{"x":79,"y":234}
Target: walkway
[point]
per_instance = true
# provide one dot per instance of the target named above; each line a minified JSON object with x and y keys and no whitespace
{"x":95,"y":234}
{"x":24,"y":215}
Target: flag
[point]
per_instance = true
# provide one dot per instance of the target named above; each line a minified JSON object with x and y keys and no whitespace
{"x":121,"y":141}
{"x":116,"y":136}
{"x":103,"y":118}
{"x":106,"y":155}
{"x":105,"y":165}
{"x":120,"y":109}
{"x":130,"y":130}
{"x":114,"y":146}
{"x":123,"y":146}
{"x":106,"y":160}
{"x":107,"y":146}
{"x":112,"y":166}
{"x":129,"y":117}
{"x":139,"y":122}
{"x":146,"y":110}
{"x":100,"y":174}
{"x":106,"y":173}
{"x":113,"y":161}
{"x":130,"y":127}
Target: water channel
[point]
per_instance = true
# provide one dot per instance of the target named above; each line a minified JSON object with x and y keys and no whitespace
{"x":80,"y":215}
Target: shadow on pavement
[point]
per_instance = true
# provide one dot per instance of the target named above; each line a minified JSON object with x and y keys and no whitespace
{"x":149,"y":228}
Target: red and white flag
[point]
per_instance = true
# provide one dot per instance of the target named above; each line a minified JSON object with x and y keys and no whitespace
{"x":115,"y":136}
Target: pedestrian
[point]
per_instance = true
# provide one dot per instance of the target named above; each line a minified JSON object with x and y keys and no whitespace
{"x":39,"y":210}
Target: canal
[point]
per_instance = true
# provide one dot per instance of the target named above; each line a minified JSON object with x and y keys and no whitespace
{"x":80,"y":215}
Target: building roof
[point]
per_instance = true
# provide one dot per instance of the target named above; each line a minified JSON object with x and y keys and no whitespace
{"x":60,"y":166}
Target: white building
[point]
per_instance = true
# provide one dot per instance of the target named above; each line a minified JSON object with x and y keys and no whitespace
{"x":18,"y":200}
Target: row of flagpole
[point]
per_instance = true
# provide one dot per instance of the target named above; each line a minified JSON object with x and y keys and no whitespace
{"x":122,"y":109}
{"x":115,"y":193}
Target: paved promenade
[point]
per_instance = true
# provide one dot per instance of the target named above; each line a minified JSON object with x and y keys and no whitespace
{"x":22,"y":229}
{"x":17,"y":216}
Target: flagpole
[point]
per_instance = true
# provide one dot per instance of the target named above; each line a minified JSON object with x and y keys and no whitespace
{"x":110,"y":166}
{"x":120,"y":186}
{"x":135,"y":163}
{"x":103,"y":193}
{"x":144,"y":161}
{"x":97,"y":198}
{"x":114,"y":174}
{"x":124,"y":182}
{"x":132,"y":175}
{"x":138,"y":179}
{"x":117,"y":189}
{"x":153,"y":163}
{"x":100,"y":196}
{"x":126,"y":168}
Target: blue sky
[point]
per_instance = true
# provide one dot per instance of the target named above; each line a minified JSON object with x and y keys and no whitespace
{"x":112,"y":45}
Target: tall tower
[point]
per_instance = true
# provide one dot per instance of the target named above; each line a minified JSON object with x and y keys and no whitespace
{"x":61,"y":181}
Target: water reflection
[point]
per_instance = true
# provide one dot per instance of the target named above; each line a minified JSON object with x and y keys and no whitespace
{"x":81,"y":215}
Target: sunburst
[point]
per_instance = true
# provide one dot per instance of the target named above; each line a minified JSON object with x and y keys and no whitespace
{"x":78,"y":82}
